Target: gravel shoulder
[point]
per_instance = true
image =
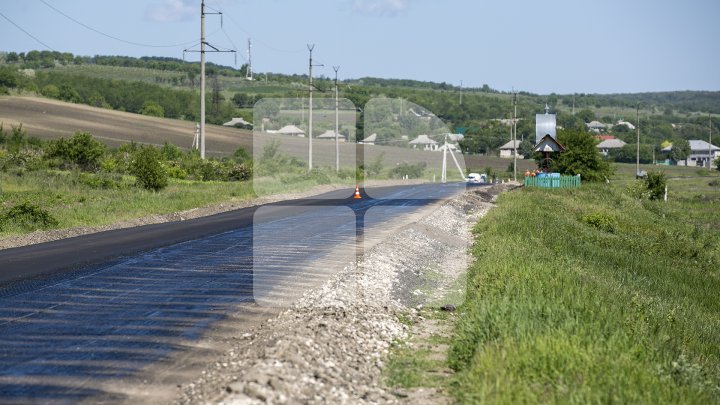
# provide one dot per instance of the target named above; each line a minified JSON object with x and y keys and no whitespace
{"x":333,"y":344}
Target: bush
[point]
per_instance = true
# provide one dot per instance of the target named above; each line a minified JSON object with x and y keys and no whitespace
{"x":149,"y":172}
{"x":152,"y":109}
{"x":81,"y":150}
{"x":655,"y":183}
{"x":239,"y":172}
{"x":28,"y":216}
{"x":411,"y":171}
{"x":600,"y":221}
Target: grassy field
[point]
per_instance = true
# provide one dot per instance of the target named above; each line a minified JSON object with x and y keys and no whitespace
{"x":591,"y":295}
{"x":73,"y":201}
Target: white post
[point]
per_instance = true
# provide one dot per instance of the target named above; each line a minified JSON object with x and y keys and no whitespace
{"x":443,"y":175}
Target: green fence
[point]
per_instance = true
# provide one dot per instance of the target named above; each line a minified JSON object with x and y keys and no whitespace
{"x":552,"y":182}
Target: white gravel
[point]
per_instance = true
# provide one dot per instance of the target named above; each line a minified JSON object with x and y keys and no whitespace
{"x":331,"y":346}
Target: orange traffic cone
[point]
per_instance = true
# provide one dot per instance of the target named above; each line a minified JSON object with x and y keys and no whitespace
{"x":357,"y":192}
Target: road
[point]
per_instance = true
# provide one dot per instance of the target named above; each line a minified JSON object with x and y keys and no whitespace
{"x":85,"y":316}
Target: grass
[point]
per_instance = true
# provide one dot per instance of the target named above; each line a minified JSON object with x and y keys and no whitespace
{"x":561,"y":310}
{"x":74,"y":203}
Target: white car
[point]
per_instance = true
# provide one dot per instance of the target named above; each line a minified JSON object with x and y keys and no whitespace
{"x":476,"y":178}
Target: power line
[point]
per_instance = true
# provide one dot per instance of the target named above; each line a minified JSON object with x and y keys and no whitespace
{"x":272,"y":48}
{"x":27,"y":33}
{"x":110,"y":36}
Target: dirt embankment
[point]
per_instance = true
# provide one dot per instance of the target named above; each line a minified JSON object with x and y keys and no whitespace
{"x":331,"y":346}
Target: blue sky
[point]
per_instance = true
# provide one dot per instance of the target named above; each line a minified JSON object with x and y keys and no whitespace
{"x":561,"y":46}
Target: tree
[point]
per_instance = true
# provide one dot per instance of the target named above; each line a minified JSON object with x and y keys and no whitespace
{"x":152,"y":109}
{"x":149,"y":172}
{"x":717,"y":164}
{"x":81,"y":150}
{"x":680,"y":149}
{"x":526,"y":148}
{"x":581,"y":157}
{"x":8,"y":77}
{"x":586,"y":115}
{"x":628,"y":154}
{"x":51,"y":91}
{"x":68,"y":93}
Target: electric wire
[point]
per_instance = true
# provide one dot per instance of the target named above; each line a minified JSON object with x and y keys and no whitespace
{"x":27,"y":33}
{"x":111,"y":36}
{"x":261,"y":42}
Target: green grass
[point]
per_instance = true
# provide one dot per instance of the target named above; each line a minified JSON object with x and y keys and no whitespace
{"x":74,"y":203}
{"x":560,"y":310}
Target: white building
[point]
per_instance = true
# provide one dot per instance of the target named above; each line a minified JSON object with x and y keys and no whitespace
{"x":425,"y":142}
{"x":700,"y":153}
{"x":291,"y":130}
{"x":507,"y":150}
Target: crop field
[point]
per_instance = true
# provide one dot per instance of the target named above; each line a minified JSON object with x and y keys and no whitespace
{"x":50,"y":119}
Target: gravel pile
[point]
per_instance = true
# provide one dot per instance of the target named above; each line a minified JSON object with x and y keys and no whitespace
{"x":331,"y":346}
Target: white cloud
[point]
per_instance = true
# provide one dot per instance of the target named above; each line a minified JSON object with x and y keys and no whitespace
{"x":391,"y":7}
{"x":173,"y":10}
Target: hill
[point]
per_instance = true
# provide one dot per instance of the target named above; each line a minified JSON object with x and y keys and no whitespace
{"x":49,"y":119}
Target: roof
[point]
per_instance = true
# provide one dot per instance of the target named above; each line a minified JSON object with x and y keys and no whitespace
{"x":627,"y":124}
{"x":545,"y":124}
{"x":603,"y":137}
{"x":329,"y":134}
{"x":423,"y":140}
{"x":697,"y":145}
{"x":509,"y":145}
{"x":611,"y":144}
{"x":370,"y":138}
{"x":548,"y":144}
{"x":290,"y":129}
{"x":596,"y":124}
{"x":236,"y":121}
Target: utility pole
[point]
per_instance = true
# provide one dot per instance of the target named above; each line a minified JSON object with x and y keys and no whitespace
{"x":637,"y":162}
{"x":710,"y":152}
{"x":202,"y":79}
{"x":337,"y":122}
{"x":461,"y":92}
{"x":514,"y":135}
{"x":202,"y":51}
{"x":310,"y":109}
{"x":248,"y":72}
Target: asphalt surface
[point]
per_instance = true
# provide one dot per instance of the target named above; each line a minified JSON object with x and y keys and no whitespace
{"x":79,"y":312}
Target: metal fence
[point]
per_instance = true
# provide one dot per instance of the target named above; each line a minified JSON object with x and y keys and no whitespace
{"x":552,"y":182}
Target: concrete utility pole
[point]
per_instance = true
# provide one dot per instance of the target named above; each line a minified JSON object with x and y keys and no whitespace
{"x":337,"y":122}
{"x":637,"y":162}
{"x":202,"y":79}
{"x":310,"y":109}
{"x":248,"y":72}
{"x":710,"y":152}
{"x":461,"y":92}
{"x":202,"y":51}
{"x":514,"y":135}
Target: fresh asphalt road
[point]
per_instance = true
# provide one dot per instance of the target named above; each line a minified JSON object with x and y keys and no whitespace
{"x":100,"y":307}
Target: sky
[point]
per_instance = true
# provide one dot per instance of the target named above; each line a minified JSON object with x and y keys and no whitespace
{"x":543,"y":47}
